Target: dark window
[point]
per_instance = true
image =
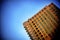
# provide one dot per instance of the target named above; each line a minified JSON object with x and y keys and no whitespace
{"x":40,"y":12}
{"x":49,"y":35}
{"x":49,"y":5}
{"x":41,"y":18}
{"x":33,"y":17}
{"x":40,"y":33}
{"x":36,"y":18}
{"x":44,"y":8}
{"x":36,"y":28}
{"x":46,"y":36}
{"x":35,"y":32}
{"x":38,"y":38}
{"x":40,"y":28}
{"x":45,"y":14}
{"x":37,"y":13}
{"x":36,"y":35}
{"x":32,"y":21}
{"x":51,"y":20}
{"x":45,"y":18}
{"x":43,"y":39}
{"x":28,"y":20}
{"x":35,"y":25}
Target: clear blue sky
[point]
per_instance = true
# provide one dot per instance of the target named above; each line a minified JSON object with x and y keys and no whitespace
{"x":15,"y":12}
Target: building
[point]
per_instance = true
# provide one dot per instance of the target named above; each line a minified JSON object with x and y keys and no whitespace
{"x":42,"y":25}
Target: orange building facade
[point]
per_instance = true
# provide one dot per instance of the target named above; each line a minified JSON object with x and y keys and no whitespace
{"x":42,"y":25}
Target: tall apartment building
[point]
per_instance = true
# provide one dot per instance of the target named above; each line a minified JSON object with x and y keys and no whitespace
{"x":42,"y":25}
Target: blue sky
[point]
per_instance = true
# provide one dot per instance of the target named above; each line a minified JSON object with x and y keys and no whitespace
{"x":15,"y":12}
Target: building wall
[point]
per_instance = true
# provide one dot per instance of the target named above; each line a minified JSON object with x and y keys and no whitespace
{"x":43,"y":24}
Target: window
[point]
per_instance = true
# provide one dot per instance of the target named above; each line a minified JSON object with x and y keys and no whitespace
{"x":37,"y":13}
{"x":35,"y":25}
{"x":40,"y":33}
{"x":36,"y":28}
{"x":42,"y":10}
{"x":36,"y":35}
{"x":43,"y":39}
{"x":32,"y":17}
{"x":32,"y":21}
{"x":45,"y":18}
{"x":40,"y":28}
{"x":49,"y":5}
{"x":28,"y":20}
{"x":46,"y":14}
{"x":35,"y":32}
{"x":46,"y":36}
{"x":41,"y":18}
{"x":49,"y":35}
{"x":45,"y":8}
{"x":38,"y":20}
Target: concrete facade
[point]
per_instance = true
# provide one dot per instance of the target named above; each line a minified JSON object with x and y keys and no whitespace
{"x":43,"y":24}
